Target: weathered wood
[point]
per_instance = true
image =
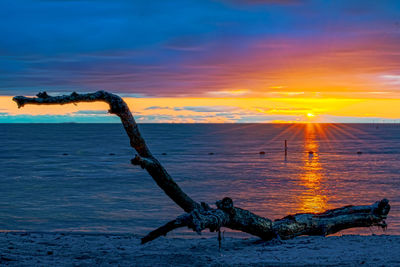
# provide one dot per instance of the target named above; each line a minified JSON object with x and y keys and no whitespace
{"x":321,"y":224}
{"x":121,"y":109}
{"x":200,"y":216}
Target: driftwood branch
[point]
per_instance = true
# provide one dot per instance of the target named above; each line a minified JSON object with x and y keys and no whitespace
{"x":200,"y":216}
{"x":121,"y":109}
{"x":316,"y":224}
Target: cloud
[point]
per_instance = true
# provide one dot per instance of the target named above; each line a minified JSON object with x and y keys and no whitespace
{"x":229,"y":93}
{"x":26,"y":118}
{"x":197,"y":48}
{"x":207,"y":108}
{"x":282,"y":111}
{"x":156,"y":107}
{"x":89,"y":112}
{"x":391,"y":79}
{"x":352,"y":119}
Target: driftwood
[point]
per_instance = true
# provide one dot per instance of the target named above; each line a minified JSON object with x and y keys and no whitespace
{"x":200,"y":216}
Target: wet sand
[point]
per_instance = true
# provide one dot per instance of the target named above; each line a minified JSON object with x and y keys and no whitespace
{"x":72,"y":249}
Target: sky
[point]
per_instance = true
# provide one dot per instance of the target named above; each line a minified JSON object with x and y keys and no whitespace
{"x":204,"y":61}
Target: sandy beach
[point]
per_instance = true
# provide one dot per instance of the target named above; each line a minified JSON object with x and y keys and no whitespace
{"x":73,"y":249}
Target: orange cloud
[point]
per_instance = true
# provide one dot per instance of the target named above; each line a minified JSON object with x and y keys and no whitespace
{"x":220,"y":110}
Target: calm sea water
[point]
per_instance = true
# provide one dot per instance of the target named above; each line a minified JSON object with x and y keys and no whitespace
{"x":87,"y":189}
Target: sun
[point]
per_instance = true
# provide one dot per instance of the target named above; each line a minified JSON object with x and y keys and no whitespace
{"x":310,"y":115}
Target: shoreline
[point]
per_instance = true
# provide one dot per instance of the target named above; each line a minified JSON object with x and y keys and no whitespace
{"x":66,"y":249}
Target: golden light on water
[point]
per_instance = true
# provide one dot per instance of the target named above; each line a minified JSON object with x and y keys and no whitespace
{"x":315,"y":195}
{"x":314,"y":198}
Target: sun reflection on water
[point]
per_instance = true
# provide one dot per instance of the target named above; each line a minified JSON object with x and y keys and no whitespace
{"x":314,"y":198}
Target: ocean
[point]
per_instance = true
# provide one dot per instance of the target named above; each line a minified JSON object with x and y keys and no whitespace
{"x":78,"y":177}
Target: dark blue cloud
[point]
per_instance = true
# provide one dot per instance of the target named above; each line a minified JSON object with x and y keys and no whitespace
{"x":81,"y":118}
{"x":156,"y":107}
{"x":163,"y":47}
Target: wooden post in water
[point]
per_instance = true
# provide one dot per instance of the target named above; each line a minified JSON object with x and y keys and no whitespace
{"x":285,"y":148}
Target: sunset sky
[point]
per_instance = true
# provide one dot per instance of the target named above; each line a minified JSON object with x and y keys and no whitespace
{"x":204,"y":61}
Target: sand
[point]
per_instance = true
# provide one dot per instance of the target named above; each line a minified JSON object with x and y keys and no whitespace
{"x":73,"y":249}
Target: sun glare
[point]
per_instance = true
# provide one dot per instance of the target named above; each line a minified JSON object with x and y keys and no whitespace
{"x":310,"y":115}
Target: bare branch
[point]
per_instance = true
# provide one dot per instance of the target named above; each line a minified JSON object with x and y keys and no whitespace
{"x":121,"y":109}
{"x":162,"y":231}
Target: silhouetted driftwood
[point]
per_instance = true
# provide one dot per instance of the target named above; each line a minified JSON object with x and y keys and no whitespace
{"x":200,"y":216}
